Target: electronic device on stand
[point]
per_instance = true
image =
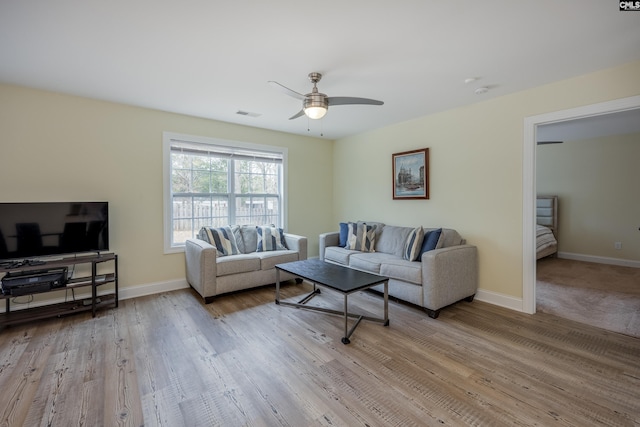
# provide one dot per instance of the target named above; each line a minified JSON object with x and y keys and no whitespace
{"x":40,"y":243}
{"x":50,"y":277}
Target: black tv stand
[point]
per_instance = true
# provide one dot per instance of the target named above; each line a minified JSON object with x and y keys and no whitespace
{"x":94,"y":280}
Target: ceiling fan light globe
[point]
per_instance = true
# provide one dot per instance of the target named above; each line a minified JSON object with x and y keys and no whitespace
{"x":315,"y":105}
{"x":315,"y":112}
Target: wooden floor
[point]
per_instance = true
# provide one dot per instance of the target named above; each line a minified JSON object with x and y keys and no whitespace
{"x":169,"y":360}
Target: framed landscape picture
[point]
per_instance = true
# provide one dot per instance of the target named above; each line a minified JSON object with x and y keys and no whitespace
{"x":411,"y":174}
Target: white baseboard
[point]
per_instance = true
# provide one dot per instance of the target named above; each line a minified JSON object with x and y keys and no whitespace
{"x":152,"y":288}
{"x":500,"y":300}
{"x":599,"y":259}
{"x":84,"y":293}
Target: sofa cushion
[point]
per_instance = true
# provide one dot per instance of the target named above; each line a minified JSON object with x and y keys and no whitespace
{"x":240,"y":263}
{"x":413,"y":244}
{"x":270,"y":238}
{"x":402,"y":269}
{"x":370,"y":261}
{"x":268,"y":260}
{"x":431,"y":239}
{"x":392,"y":239}
{"x":361,"y":237}
{"x":338,"y":255}
{"x":222,"y":238}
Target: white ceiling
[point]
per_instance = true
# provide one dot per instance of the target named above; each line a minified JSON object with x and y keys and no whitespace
{"x":211,"y":58}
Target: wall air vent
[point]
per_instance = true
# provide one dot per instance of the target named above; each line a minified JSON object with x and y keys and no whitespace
{"x":248,"y":113}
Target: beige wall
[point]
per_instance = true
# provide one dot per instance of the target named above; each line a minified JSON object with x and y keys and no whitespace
{"x":596,"y":181}
{"x":59,"y":147}
{"x":476,"y":169}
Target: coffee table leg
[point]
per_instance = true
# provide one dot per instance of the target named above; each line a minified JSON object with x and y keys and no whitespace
{"x":277,"y":286}
{"x":345,"y":339}
{"x":386,"y":303}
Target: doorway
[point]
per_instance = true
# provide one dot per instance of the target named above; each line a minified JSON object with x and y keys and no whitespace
{"x":531,"y":125}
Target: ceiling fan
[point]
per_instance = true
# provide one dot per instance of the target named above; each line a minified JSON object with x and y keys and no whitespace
{"x":316,"y":104}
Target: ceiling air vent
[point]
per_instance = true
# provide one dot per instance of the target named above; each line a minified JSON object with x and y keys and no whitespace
{"x":247,"y":113}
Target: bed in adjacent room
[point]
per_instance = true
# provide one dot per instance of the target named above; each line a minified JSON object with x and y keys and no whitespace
{"x":547,"y":226}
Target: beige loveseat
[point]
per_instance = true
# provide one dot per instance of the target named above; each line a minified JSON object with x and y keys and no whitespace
{"x":443,"y":275}
{"x":211,"y":273}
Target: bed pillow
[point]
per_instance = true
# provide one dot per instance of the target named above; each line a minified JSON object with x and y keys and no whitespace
{"x":223,"y":238}
{"x":413,"y":246}
{"x":270,"y":238}
{"x":360,"y":237}
{"x":430,"y":241}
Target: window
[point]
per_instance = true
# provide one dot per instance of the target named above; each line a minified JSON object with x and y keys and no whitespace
{"x":212,"y":182}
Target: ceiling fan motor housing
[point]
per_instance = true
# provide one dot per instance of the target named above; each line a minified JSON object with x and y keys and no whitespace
{"x":316,"y":100}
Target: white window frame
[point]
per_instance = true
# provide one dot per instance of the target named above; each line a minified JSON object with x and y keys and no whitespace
{"x":169,"y":137}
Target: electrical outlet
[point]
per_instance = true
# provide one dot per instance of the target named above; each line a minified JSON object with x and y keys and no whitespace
{"x":617,"y":245}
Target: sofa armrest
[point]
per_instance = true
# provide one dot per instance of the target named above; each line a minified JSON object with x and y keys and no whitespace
{"x":331,"y":238}
{"x":297,"y":243}
{"x":449,"y":275}
{"x":201,"y":268}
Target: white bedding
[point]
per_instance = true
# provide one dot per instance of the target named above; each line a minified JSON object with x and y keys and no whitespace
{"x":546,"y":243}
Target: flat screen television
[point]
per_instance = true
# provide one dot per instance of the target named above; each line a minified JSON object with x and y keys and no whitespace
{"x":43,"y":229}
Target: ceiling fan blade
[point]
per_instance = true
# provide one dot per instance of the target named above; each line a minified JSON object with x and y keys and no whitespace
{"x":300,"y":113}
{"x":346,"y":100}
{"x":286,"y":90}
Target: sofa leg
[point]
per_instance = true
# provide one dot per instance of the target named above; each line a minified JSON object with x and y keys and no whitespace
{"x":470,"y":299}
{"x":208,"y":300}
{"x":432,"y":313}
{"x":298,"y":280}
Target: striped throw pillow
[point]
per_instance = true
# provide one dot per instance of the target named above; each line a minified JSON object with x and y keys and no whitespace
{"x":413,"y":245}
{"x":270,"y":239}
{"x":361,"y":237}
{"x":222,"y":238}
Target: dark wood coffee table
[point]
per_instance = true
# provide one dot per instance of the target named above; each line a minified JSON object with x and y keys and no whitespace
{"x":341,"y":279}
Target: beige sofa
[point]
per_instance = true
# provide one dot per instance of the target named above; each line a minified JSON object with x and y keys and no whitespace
{"x":438,"y":278}
{"x":211,"y":274}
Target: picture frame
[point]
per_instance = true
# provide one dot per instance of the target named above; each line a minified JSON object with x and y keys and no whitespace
{"x":411,"y":174}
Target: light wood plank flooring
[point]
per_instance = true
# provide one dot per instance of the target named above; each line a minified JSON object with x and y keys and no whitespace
{"x":170,"y":360}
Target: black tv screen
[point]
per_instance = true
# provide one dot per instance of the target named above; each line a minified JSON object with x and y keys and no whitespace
{"x":30,"y":230}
